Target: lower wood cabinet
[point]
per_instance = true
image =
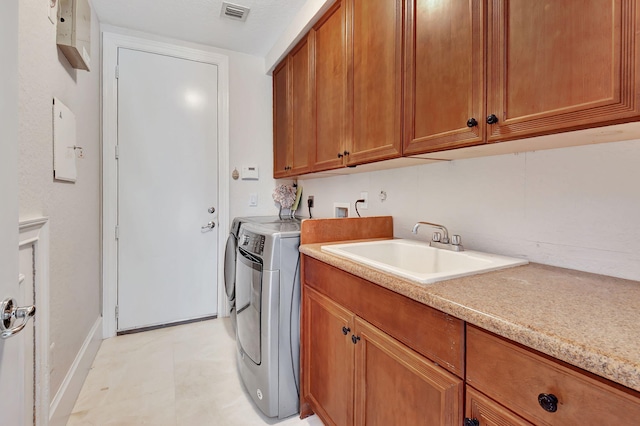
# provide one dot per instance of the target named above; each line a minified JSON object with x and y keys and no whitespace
{"x":370,"y":356}
{"x":483,"y":411}
{"x":395,"y":385}
{"x":541,"y":390}
{"x":355,"y":374}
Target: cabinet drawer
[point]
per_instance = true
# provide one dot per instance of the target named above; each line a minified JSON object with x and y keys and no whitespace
{"x":434,"y":334}
{"x":515,"y":377}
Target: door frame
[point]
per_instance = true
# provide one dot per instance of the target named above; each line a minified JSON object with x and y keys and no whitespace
{"x":111,"y":42}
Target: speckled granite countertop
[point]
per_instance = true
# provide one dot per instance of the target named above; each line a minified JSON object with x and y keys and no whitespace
{"x":587,"y":320}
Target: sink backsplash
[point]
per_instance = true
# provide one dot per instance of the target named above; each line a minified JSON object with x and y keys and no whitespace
{"x":573,"y":207}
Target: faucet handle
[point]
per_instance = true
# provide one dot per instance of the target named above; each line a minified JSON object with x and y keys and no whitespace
{"x":456,"y":240}
{"x":436,"y":237}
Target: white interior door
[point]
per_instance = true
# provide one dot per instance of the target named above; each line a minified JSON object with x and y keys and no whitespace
{"x":11,"y":349}
{"x":167,"y":182}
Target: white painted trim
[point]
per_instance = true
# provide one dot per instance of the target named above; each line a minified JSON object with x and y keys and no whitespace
{"x":111,"y":42}
{"x":64,"y":400}
{"x":35,"y":232}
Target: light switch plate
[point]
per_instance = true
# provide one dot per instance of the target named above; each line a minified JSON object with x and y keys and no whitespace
{"x":253,"y":199}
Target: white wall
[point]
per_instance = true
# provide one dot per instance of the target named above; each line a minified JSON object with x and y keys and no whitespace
{"x":574,"y":207}
{"x":73,"y":209}
{"x":250,"y":125}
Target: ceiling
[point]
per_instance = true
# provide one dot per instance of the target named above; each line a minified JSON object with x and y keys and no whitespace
{"x":199,"y":21}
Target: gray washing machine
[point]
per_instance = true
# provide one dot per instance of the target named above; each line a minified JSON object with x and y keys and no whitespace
{"x":268,"y":315}
{"x":230,"y":254}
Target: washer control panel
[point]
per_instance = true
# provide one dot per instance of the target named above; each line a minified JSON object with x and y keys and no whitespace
{"x":253,"y":243}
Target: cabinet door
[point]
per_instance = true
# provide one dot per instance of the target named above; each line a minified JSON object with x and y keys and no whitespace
{"x":395,"y":385}
{"x":376,"y":87}
{"x":488,"y":412}
{"x":301,"y":114}
{"x":445,"y":75}
{"x":281,"y":132}
{"x":331,"y":89}
{"x":327,"y":358}
{"x":560,"y":65}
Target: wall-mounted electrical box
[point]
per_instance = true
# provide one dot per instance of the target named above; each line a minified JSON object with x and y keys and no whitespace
{"x":64,"y":143}
{"x":74,"y":32}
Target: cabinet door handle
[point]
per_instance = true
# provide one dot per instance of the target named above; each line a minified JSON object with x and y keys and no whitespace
{"x":345,"y":330}
{"x":346,"y":153}
{"x":492,"y":119}
{"x":472,"y":122}
{"x":340,"y":155}
{"x":548,"y":402}
{"x":471,"y":422}
{"x":354,"y":338}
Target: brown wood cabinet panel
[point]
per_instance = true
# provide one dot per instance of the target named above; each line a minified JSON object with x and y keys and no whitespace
{"x":515,"y":377}
{"x":281,"y":130}
{"x":445,"y":75}
{"x":301,"y":114}
{"x":488,"y":412}
{"x":328,"y":359}
{"x":560,"y":65}
{"x":376,"y":79}
{"x":330,"y":90}
{"x":393,"y":382}
{"x":434,"y":334}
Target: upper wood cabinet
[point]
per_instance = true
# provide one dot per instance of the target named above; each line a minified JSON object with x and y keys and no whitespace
{"x":444,"y":84}
{"x":330,"y":89}
{"x":375,"y":79}
{"x":293,"y":124}
{"x":560,"y":65}
{"x":551,"y":66}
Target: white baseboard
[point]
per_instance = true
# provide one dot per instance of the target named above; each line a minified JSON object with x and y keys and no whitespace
{"x":62,"y":404}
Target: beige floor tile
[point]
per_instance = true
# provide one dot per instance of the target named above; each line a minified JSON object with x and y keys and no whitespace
{"x":181,"y":375}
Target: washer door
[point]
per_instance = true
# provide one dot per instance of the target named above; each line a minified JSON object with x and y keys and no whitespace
{"x":249,"y":304}
{"x":230,"y":267}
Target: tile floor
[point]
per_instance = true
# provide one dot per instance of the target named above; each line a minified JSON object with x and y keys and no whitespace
{"x":183,"y":375}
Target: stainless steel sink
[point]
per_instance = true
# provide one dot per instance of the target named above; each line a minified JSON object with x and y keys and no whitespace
{"x":417,"y":261}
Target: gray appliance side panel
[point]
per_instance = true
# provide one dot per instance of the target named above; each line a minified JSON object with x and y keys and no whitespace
{"x":289,"y":342}
{"x":261,"y":380}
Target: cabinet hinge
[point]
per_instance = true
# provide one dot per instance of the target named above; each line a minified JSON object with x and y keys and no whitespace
{"x":117,"y":72}
{"x":117,"y":232}
{"x":117,"y":151}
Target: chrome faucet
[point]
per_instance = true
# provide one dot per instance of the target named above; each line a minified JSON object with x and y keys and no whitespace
{"x":441,"y":240}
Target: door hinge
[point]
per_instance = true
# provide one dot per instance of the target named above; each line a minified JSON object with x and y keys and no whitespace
{"x":117,"y":152}
{"x":117,"y":72}
{"x":117,"y":232}
{"x":117,"y":311}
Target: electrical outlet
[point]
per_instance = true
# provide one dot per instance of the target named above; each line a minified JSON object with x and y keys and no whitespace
{"x":364,"y":196}
{"x":310,"y":201}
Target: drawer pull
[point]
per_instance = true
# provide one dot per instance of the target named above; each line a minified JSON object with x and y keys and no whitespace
{"x":345,"y":330}
{"x":471,"y":422}
{"x":548,"y":401}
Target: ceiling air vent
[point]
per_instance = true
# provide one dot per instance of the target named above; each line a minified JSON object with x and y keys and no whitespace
{"x":234,"y":11}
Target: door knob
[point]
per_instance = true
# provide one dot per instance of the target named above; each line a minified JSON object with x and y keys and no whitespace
{"x":209,"y":225}
{"x":492,"y":119}
{"x":8,"y":314}
{"x":211,"y":210}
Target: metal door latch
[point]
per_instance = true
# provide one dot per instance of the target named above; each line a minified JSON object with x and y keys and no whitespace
{"x":8,"y":314}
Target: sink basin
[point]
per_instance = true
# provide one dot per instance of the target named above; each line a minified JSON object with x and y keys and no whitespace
{"x":418,"y":261}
